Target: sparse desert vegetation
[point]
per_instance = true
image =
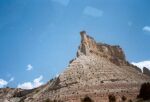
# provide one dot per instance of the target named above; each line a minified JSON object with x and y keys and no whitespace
{"x":87,"y":99}
{"x":144,"y":91}
{"x":124,"y":98}
{"x":112,"y":98}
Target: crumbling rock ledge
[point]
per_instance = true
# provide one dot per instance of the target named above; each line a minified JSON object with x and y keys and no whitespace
{"x":89,"y":46}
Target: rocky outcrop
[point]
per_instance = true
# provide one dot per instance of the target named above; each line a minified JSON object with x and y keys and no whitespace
{"x":89,"y":46}
{"x":146,"y":71}
{"x":16,"y":95}
{"x":98,"y":71}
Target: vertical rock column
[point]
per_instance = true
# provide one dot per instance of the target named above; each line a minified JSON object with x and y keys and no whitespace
{"x":87,"y":44}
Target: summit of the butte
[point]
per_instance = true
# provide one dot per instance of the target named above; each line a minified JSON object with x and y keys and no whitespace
{"x":98,"y":71}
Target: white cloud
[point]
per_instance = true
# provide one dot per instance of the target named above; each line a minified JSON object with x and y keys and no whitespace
{"x":146,"y":28}
{"x":11,"y":79}
{"x":30,"y":85}
{"x":3,"y":83}
{"x":63,"y":2}
{"x":94,"y":12}
{"x":29,"y":67}
{"x":37,"y":82}
{"x":142,"y":64}
{"x":26,"y":85}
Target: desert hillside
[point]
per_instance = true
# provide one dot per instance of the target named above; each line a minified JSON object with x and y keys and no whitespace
{"x":98,"y":71}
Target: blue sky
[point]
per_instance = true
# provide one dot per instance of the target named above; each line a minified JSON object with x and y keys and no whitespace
{"x":38,"y":38}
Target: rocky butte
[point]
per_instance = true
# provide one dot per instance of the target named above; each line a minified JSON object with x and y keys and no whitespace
{"x":98,"y":71}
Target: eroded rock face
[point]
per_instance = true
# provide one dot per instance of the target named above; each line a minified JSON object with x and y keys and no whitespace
{"x":146,"y":71}
{"x":98,"y":71}
{"x":89,"y":46}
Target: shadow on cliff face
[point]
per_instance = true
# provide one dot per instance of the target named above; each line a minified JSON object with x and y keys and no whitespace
{"x":87,"y":99}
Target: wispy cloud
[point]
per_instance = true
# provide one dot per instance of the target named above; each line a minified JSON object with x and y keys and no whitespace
{"x":37,"y":82}
{"x":62,"y":2}
{"x":3,"y":83}
{"x":94,"y":12}
{"x":29,"y":67}
{"x":142,"y":64}
{"x":11,"y":79}
{"x":30,"y":85}
{"x":146,"y":28}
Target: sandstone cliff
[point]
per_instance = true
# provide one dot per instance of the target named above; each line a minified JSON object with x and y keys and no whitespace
{"x":98,"y":70}
{"x":89,"y":46}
